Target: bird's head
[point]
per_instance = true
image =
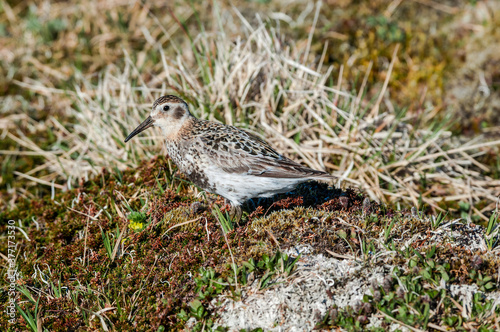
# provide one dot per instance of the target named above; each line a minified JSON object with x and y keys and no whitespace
{"x":168,"y":112}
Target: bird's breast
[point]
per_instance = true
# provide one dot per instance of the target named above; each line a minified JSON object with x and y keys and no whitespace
{"x":191,"y":163}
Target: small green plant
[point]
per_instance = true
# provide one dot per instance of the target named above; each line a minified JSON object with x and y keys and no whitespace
{"x":437,"y":221}
{"x":117,"y":174}
{"x":386,"y":29}
{"x":348,"y":318}
{"x":224,"y":219}
{"x":343,"y":235}
{"x":56,"y":290}
{"x":370,"y":219}
{"x":485,"y":283}
{"x":48,"y":31}
{"x":110,"y":245}
{"x":491,"y":235}
{"x":279,"y":263}
{"x":26,"y":292}
{"x":430,"y":269}
{"x":207,"y":285}
{"x":198,"y":311}
{"x":481,"y":309}
{"x":30,"y":317}
{"x":464,"y":208}
{"x":388,"y":228}
{"x":368,"y":248}
{"x":137,"y":221}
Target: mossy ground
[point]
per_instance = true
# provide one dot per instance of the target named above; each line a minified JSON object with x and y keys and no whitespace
{"x":444,"y":48}
{"x":148,"y":274}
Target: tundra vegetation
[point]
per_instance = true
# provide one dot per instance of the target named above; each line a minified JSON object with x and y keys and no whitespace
{"x":400,"y":99}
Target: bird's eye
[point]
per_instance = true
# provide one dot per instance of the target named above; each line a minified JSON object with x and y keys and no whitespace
{"x":166,"y":108}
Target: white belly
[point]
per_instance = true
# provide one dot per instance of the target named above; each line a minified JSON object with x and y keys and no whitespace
{"x":240,"y":187}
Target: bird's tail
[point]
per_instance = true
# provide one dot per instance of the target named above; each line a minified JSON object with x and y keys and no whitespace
{"x":322,"y":176}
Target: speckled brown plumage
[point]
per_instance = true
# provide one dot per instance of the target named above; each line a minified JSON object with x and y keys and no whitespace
{"x":168,"y":99}
{"x":238,"y":151}
{"x":224,"y":159}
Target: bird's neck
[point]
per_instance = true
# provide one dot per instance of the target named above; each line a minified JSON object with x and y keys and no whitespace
{"x":176,"y":131}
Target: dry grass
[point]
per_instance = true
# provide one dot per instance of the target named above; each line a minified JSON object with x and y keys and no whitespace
{"x":259,"y":80}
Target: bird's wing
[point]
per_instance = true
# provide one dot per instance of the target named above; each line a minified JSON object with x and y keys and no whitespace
{"x":237,"y":151}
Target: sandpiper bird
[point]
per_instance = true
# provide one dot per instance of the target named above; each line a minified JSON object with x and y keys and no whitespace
{"x":223,"y":159}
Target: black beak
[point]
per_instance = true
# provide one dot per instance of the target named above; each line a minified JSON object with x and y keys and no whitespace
{"x":143,"y":126}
